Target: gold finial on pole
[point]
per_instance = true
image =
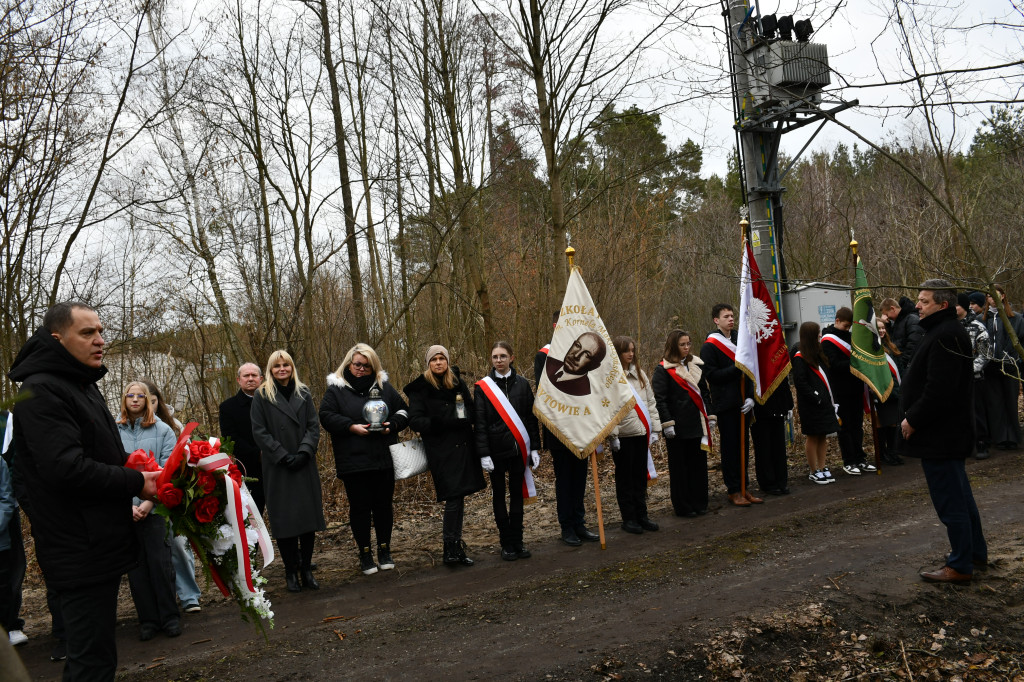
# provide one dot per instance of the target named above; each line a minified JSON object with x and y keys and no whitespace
{"x":570,"y":253}
{"x":743,"y":227}
{"x":853,"y":247}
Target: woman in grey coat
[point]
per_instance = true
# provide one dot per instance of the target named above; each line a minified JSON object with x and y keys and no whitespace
{"x":286,"y":430}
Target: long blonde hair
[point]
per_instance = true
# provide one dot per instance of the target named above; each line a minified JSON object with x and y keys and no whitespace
{"x":148,"y":419}
{"x":368,"y":353}
{"x":448,"y":379}
{"x":268,"y":389}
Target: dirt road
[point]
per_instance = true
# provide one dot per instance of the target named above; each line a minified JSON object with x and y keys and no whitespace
{"x":820,"y":584}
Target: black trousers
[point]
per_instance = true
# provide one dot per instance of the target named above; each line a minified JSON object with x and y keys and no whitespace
{"x":570,"y":486}
{"x":631,"y":477}
{"x":950,"y":490}
{"x":851,"y":430}
{"x":297,"y":552}
{"x":90,"y":616}
{"x":12,"y":619}
{"x":508,"y":519}
{"x":1001,"y":405}
{"x":451,"y":522}
{"x":371,"y":500}
{"x":732,"y":446}
{"x":687,"y":475}
{"x":768,"y":436}
{"x":152,"y":581}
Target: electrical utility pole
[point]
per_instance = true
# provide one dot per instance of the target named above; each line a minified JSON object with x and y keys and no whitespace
{"x":776,"y":88}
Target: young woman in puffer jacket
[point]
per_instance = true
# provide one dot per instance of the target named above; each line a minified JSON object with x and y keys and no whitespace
{"x":629,"y":443}
{"x":680,"y":391}
{"x":152,"y":582}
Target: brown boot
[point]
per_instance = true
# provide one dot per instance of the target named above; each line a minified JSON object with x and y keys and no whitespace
{"x":752,"y":499}
{"x":738,"y":500}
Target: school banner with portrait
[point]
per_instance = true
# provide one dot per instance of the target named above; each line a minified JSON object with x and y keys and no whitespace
{"x":582,"y":393}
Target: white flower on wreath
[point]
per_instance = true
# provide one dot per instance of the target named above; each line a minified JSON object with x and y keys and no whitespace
{"x":224,"y":541}
{"x":759,"y":322}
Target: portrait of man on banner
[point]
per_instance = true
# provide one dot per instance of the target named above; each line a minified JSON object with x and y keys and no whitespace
{"x":571,"y":374}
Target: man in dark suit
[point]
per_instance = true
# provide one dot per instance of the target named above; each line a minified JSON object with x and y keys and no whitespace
{"x":936,"y":397}
{"x":570,"y":375}
{"x":236,"y":424}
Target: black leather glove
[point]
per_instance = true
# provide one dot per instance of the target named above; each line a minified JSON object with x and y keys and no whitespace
{"x":293,"y":462}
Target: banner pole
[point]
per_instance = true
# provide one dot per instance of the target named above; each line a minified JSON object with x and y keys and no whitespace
{"x":597,"y":499}
{"x":743,"y":440}
{"x":744,"y":225}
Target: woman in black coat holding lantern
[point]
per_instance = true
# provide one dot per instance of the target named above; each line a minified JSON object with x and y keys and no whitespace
{"x":362,"y":456}
{"x":439,"y":409}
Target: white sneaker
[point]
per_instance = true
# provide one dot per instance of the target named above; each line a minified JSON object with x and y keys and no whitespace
{"x":828,"y":475}
{"x":868,"y":468}
{"x":852,"y":469}
{"x":819,"y":477}
{"x":17,"y":637}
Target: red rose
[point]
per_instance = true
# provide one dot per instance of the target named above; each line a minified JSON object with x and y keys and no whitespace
{"x":140,"y":460}
{"x":206,"y":482}
{"x":199,"y":449}
{"x":206,"y":508}
{"x":170,"y":496}
{"x":234,"y":473}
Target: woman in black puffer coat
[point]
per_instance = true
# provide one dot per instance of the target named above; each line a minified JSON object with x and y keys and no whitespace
{"x":362,"y":458}
{"x":814,"y":400}
{"x":440,"y":410}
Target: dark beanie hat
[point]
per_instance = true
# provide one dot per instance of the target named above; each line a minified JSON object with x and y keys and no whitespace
{"x":963,"y":300}
{"x":977,"y":298}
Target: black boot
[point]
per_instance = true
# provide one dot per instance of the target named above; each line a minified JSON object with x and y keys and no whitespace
{"x":291,"y":579}
{"x":308,"y":580}
{"x":460,"y":553}
{"x":450,"y":555}
{"x":384,"y":559}
{"x":366,"y":563}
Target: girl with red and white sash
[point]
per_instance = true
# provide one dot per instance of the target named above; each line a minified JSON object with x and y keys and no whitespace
{"x":814,"y":399}
{"x":506,"y":440}
{"x":631,"y":441}
{"x":680,"y":392}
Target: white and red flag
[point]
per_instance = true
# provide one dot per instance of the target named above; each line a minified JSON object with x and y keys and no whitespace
{"x":760,"y":344}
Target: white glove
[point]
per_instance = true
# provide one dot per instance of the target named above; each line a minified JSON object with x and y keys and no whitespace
{"x":669,"y":432}
{"x":712,"y":422}
{"x":534,"y":460}
{"x":748,"y":405}
{"x":615,"y":444}
{"x":487,"y":463}
{"x":789,"y":416}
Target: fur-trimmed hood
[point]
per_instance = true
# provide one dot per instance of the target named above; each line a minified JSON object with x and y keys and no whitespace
{"x":334,"y":380}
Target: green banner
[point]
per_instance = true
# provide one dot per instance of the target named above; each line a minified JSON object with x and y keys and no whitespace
{"x":867,"y":359}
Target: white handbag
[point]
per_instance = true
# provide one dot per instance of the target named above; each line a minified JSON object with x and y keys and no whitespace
{"x":409,"y":457}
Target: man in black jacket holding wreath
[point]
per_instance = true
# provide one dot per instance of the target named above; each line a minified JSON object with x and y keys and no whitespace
{"x":70,"y":464}
{"x":937,"y":399}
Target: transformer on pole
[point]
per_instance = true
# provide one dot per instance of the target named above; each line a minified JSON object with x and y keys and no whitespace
{"x":776,"y":88}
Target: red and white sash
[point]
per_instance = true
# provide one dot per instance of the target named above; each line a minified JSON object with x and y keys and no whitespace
{"x":821,"y":375}
{"x":893,"y":369}
{"x":546,"y":349}
{"x":694,"y":392}
{"x":723,"y":344}
{"x":512,"y":420}
{"x":645,"y":418}
{"x":838,"y":343}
